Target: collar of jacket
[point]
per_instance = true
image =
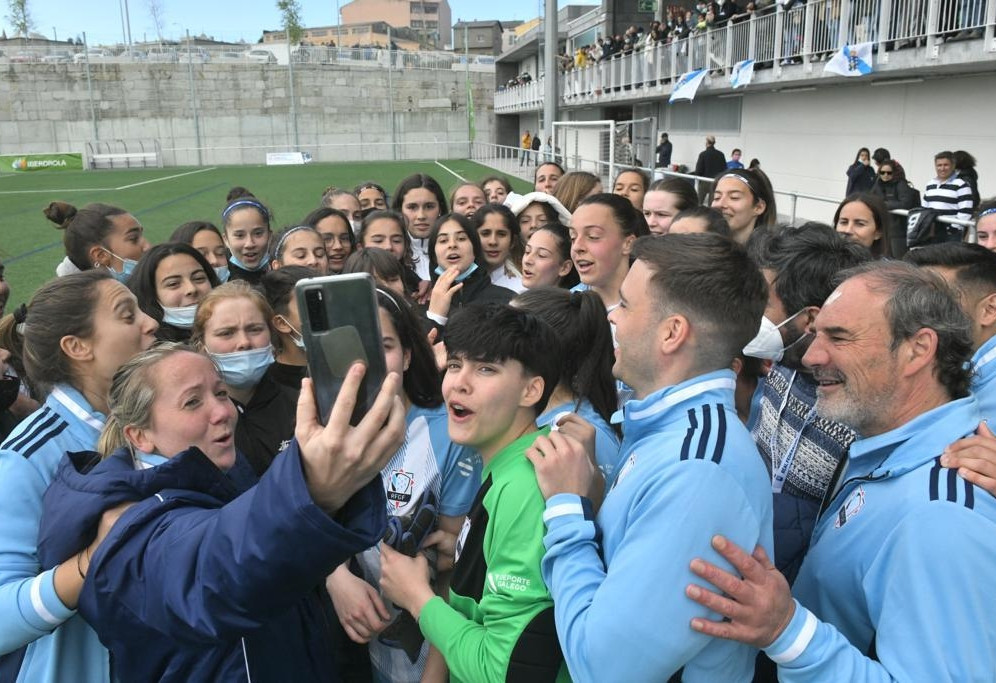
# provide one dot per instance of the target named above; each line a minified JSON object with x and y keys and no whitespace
{"x":672,"y":403}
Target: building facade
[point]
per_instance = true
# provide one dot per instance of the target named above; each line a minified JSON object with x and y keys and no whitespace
{"x":429,"y":19}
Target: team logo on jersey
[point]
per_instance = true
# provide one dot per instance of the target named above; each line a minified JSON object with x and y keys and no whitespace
{"x":400,"y":487}
{"x":461,"y":539}
{"x":851,"y":507}
{"x":630,"y":464}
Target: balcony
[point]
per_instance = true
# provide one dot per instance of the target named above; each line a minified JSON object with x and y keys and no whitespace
{"x":912,"y":38}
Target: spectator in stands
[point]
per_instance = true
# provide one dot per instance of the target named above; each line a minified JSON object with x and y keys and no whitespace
{"x":546,"y":177}
{"x":892,"y":188}
{"x":881,"y":155}
{"x":965,"y":168}
{"x":98,"y":236}
{"x":496,"y":188}
{"x":746,"y":200}
{"x":205,"y":238}
{"x":699,"y":219}
{"x":632,"y":183}
{"x":711,"y":163}
{"x":169,"y":282}
{"x":666,"y":199}
{"x":337,"y":235}
{"x":664,"y":150}
{"x":985,"y":225}
{"x":860,"y":176}
{"x":526,"y":145}
{"x":467,"y":198}
{"x":535,"y":144}
{"x":575,"y":186}
{"x":734,"y":161}
{"x":947,"y":194}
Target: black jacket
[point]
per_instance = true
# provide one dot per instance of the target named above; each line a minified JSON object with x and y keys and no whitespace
{"x":860,"y":178}
{"x":266,"y":423}
{"x":711,"y":163}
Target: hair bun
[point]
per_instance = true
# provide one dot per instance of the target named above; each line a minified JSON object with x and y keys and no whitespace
{"x":238,"y":192}
{"x":60,"y":213}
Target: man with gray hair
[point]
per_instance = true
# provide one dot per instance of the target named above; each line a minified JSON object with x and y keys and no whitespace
{"x":900,"y":580}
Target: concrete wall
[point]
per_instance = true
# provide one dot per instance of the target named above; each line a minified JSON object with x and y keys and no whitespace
{"x":243,"y":111}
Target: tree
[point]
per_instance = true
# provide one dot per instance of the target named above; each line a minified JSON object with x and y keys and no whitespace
{"x":291,"y":12}
{"x":20,"y":17}
{"x":158,"y":14}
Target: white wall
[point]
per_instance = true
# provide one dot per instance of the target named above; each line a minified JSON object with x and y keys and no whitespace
{"x":806,"y":140}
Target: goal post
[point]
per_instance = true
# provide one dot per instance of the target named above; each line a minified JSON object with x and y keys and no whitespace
{"x":603,"y":147}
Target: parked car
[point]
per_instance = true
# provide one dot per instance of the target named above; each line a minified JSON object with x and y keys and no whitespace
{"x":24,"y":57}
{"x":197,"y":54}
{"x":95,"y":54}
{"x":58,"y":57}
{"x":261,"y":56}
{"x":229,"y":57}
{"x":131,"y":56}
{"x":162,"y":54}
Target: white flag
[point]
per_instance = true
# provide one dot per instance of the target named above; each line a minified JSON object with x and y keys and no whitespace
{"x":687,"y":85}
{"x":851,"y":60}
{"x":742,"y":74}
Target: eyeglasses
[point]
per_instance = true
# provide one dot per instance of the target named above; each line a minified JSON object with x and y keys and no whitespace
{"x":883,"y":173}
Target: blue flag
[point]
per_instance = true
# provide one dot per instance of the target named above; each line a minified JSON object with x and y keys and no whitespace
{"x":742,"y":74}
{"x":687,"y":86}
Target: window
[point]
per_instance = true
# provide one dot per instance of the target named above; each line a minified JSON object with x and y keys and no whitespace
{"x":480,"y":37}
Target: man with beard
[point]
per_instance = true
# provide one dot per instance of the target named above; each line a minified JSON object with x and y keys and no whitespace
{"x":801,"y":449}
{"x":899,"y":582}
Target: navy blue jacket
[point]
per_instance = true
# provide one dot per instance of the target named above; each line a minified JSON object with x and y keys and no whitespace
{"x":202,"y":579}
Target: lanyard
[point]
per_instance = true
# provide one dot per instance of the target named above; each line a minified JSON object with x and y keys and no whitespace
{"x":778,"y":476}
{"x":76,"y":409}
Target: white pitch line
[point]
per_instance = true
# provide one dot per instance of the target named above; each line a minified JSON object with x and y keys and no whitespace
{"x":169,"y":177}
{"x":75,"y":189}
{"x":449,"y":170}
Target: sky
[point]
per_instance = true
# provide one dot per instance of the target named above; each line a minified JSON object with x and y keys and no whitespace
{"x":222,"y":19}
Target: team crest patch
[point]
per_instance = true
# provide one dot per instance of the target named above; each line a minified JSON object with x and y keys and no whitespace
{"x":624,"y":470}
{"x":851,"y":507}
{"x":399,"y":488}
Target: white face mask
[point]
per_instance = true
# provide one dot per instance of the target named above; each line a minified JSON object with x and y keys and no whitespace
{"x":180,"y":316}
{"x":768,"y":343}
{"x":295,"y":335}
{"x":356,"y":225}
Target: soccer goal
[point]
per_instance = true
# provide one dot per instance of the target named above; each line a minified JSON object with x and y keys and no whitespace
{"x":603,"y":147}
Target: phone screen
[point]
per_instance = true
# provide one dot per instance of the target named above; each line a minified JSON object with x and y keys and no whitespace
{"x":340,"y":324}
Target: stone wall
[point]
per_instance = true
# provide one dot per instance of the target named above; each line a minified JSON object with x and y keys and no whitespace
{"x":243,"y":111}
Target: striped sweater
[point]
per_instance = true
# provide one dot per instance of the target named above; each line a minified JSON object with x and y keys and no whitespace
{"x":949,"y":197}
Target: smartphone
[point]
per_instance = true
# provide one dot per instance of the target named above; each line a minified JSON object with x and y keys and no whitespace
{"x":340,"y":324}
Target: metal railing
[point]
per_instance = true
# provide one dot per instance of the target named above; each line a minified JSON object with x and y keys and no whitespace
{"x":246,"y":55}
{"x":803,"y":34}
{"x":508,"y":160}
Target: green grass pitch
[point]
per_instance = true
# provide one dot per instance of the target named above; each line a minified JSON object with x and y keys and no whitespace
{"x":162,"y":199}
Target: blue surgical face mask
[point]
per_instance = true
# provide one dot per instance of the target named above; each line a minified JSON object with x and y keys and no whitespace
{"x":263,"y":263}
{"x":462,"y":276}
{"x":243,"y":369}
{"x":127,"y":266}
{"x":180,"y":316}
{"x":223,"y":274}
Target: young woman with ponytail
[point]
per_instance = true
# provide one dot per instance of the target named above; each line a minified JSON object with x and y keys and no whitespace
{"x":586,"y":385}
{"x":98,"y":236}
